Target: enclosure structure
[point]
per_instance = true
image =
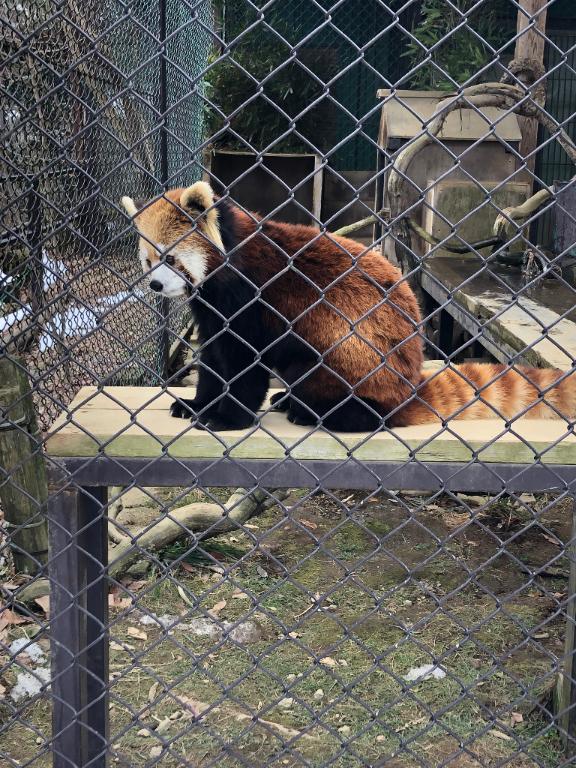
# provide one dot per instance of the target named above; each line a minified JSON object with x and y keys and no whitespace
{"x":283,"y":594}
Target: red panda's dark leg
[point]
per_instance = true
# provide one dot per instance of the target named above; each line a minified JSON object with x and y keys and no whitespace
{"x":245,"y":389}
{"x":316,"y":400}
{"x":208,"y":390}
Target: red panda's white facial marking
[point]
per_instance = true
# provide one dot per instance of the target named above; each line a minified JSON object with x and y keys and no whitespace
{"x":178,"y":232}
{"x":161,"y":268}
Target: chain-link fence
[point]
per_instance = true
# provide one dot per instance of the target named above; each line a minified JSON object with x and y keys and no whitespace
{"x":276,"y":494}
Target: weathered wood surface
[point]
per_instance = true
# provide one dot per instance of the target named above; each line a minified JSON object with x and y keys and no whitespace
{"x":23,"y":487}
{"x":134,"y":422}
{"x":530,"y":42}
{"x":532,"y":326}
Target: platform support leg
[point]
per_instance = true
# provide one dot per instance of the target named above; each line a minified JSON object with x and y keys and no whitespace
{"x":79,"y":620}
{"x":446,"y":332}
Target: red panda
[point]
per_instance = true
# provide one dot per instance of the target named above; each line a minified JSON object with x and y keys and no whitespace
{"x":341,"y":326}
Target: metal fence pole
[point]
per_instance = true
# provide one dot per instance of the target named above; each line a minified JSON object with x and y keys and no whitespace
{"x":164,"y":303}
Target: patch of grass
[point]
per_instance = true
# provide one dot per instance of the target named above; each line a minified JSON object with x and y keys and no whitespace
{"x":338,"y":639}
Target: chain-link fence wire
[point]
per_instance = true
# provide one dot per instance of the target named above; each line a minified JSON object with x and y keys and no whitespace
{"x":314,"y":627}
{"x":92,"y":104}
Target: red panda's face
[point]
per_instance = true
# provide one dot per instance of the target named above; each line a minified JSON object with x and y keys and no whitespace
{"x":178,"y":233}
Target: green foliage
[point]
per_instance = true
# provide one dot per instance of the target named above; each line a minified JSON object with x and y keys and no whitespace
{"x":257,"y":89}
{"x":461,"y":53}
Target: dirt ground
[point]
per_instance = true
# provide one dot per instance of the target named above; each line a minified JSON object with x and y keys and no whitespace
{"x":288,"y":643}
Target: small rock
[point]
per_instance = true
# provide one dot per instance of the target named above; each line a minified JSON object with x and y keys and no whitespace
{"x":155,"y":752}
{"x":286,"y":703}
{"x":203,"y":628}
{"x":343,"y":663}
{"x":527,"y":498}
{"x":291,"y":677}
{"x":425,"y":672}
{"x":473,"y":501}
{"x":344,"y":730}
{"x":318,"y":695}
{"x":153,"y":620}
{"x":247,"y":632}
{"x":380,"y":738}
{"x":176,"y":715}
{"x":144,"y":733}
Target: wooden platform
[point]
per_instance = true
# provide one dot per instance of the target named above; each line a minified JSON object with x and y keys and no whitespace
{"x":538,"y":328}
{"x":133,"y":422}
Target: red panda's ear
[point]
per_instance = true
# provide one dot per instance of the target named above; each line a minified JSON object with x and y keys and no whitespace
{"x":200,"y":198}
{"x":132,"y":206}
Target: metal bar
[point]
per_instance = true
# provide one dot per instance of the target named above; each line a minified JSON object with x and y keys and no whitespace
{"x":164,"y":171}
{"x":413,"y":475}
{"x":78,"y":603}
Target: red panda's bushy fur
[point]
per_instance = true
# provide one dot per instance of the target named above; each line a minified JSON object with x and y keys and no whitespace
{"x":340,"y":325}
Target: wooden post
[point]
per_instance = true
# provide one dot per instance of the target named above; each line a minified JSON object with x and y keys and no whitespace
{"x":23,"y":486}
{"x":530,"y":27}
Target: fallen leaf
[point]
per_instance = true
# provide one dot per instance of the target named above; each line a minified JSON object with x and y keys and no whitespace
{"x":282,"y":729}
{"x":516,"y":717}
{"x":144,"y":733}
{"x":10,"y":586}
{"x":552,"y":540}
{"x":188,"y":568}
{"x":286,"y":702}
{"x":124,"y":647}
{"x":251,"y":527}
{"x":309,"y":524}
{"x":215,"y":610}
{"x":153,"y":691}
{"x":155,"y":751}
{"x":136,"y":586}
{"x":239,"y":595}
{"x":184,"y":596}
{"x":44,"y":603}
{"x":10,"y":618}
{"x":2,"y":690}
{"x":192,"y":706}
{"x":500,"y":735}
{"x":261,"y":572}
{"x":541,"y":636}
{"x":118,"y":602}
{"x":328,"y":661}
{"x":137,"y":633}
{"x":294,"y":635}
{"x":163,"y":726}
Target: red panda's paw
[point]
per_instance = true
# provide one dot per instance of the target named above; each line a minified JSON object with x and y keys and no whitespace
{"x":303,"y":419}
{"x":219,"y":424}
{"x":184,"y":409}
{"x":280,"y":401}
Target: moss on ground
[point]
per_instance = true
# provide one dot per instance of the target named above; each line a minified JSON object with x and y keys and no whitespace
{"x":344,"y":605}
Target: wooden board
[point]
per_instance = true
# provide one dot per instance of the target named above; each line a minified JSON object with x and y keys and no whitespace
{"x":534,"y":325}
{"x":134,"y":422}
